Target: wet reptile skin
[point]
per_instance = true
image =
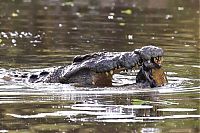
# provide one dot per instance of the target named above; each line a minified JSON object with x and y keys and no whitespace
{"x":96,"y":69}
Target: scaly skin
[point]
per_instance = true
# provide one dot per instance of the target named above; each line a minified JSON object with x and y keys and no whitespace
{"x":97,"y":69}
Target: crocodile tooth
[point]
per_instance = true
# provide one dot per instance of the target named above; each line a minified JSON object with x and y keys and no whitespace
{"x":107,"y":73}
{"x":111,"y":72}
{"x":93,"y":82}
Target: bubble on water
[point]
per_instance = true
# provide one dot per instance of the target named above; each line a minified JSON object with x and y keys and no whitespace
{"x":17,"y":11}
{"x":119,"y":18}
{"x":130,"y":37}
{"x":74,"y":28}
{"x":20,"y":36}
{"x":15,"y":44}
{"x":45,"y":7}
{"x":175,"y":31}
{"x":112,"y":13}
{"x":5,"y":36}
{"x":130,"y":42}
{"x":110,"y":17}
{"x":60,"y":25}
{"x":30,"y":34}
{"x":180,"y":8}
{"x":78,"y":14}
{"x":172,"y":37}
{"x":13,"y":41}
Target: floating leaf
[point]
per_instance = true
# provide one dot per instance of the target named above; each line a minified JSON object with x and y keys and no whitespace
{"x":127,"y":11}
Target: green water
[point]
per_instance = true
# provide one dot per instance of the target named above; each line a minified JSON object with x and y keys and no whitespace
{"x":36,"y":34}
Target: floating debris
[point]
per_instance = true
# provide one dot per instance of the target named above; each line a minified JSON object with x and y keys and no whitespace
{"x":14,"y":14}
{"x":110,"y":17}
{"x":74,"y":28}
{"x":67,"y":4}
{"x":60,"y":25}
{"x":122,"y":24}
{"x":13,"y":41}
{"x":180,"y":8}
{"x":127,"y":11}
{"x":130,"y":37}
{"x":45,"y":8}
{"x":168,"y":16}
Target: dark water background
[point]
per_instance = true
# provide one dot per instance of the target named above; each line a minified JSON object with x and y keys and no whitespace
{"x":36,"y":34}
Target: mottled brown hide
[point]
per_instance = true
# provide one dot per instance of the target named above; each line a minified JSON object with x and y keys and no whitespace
{"x":102,"y":79}
{"x":159,"y":76}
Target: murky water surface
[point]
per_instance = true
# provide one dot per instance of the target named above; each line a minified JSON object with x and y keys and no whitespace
{"x":40,"y":34}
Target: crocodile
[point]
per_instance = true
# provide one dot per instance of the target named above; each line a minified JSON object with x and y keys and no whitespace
{"x":97,"y":69}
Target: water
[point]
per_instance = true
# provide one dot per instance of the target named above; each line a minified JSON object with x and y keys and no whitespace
{"x":41,"y":34}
